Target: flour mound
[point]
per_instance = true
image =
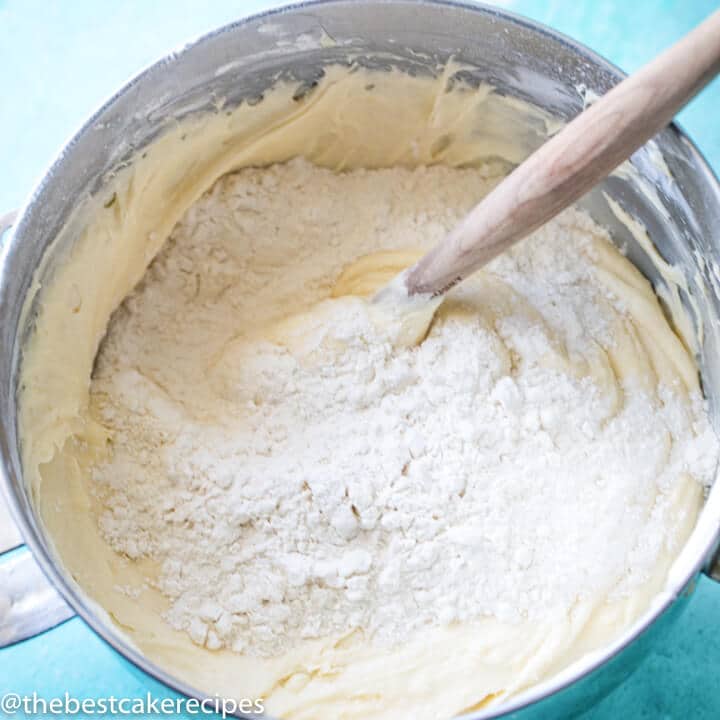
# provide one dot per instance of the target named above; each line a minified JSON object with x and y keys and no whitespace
{"x":298,"y":479}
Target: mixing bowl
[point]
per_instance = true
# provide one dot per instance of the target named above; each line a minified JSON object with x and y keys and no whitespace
{"x":667,"y":186}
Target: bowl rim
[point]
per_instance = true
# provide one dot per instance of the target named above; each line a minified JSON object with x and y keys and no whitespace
{"x":84,"y":606}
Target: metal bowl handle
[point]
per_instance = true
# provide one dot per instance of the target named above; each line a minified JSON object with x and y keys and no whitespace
{"x":6,"y":221}
{"x":29,"y":604}
{"x":712,"y":569}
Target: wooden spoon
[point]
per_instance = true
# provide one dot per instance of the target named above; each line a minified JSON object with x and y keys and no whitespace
{"x":587,"y":150}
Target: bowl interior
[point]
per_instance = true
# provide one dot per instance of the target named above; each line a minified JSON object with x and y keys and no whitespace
{"x":666,"y":185}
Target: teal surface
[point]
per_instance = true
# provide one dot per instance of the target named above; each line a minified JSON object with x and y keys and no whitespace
{"x":60,"y":60}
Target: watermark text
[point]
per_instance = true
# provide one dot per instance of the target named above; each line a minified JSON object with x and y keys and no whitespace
{"x":31,"y":705}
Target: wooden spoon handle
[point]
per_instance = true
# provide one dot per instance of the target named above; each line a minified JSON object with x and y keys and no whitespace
{"x":563,"y":169}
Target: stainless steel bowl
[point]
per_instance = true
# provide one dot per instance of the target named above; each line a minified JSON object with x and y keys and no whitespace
{"x":242,"y":60}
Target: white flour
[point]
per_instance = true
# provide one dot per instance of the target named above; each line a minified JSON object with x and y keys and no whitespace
{"x":293,"y":495}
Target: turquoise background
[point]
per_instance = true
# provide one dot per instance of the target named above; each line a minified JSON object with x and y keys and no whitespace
{"x":60,"y":60}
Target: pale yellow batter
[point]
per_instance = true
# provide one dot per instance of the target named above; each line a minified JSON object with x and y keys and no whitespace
{"x":351,"y":120}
